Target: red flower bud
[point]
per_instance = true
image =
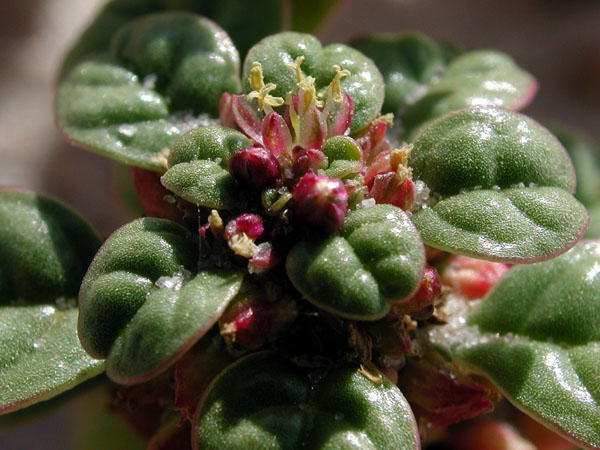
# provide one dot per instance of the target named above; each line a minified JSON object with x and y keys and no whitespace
{"x":252,"y":320}
{"x":429,"y":290}
{"x":265,"y":258}
{"x":321,"y":202}
{"x":254,"y":167}
{"x":472,"y":277}
{"x":250,"y":224}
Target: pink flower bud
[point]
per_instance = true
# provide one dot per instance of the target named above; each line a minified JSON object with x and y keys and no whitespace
{"x":252,"y":320}
{"x":305,"y":160}
{"x":429,"y":289}
{"x":252,"y":225}
{"x":472,"y":277}
{"x":265,"y":258}
{"x":254,"y":167}
{"x":388,"y":189}
{"x":321,"y":202}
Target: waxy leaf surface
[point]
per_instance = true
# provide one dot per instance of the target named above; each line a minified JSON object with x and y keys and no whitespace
{"x":246,"y":26}
{"x":169,"y":323}
{"x":504,"y":185}
{"x":204,"y":183}
{"x":423,"y":83}
{"x":163,"y":76}
{"x":210,"y":143}
{"x":476,"y":78}
{"x":45,"y":249}
{"x":198,"y":166}
{"x":536,"y":336}
{"x":409,"y":63}
{"x":136,"y":297}
{"x":264,"y":402}
{"x":365,"y":84}
{"x":377,"y":258}
{"x":40,"y":355}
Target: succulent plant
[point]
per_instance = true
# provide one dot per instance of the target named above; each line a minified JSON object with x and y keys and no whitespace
{"x":311,"y":270}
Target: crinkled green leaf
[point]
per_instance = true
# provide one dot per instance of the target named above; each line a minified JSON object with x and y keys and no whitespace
{"x":476,"y":78}
{"x":518,"y":225}
{"x":169,"y":323}
{"x":123,"y":273}
{"x":262,"y":401}
{"x":205,"y":183}
{"x":40,"y":355}
{"x":536,"y":336}
{"x":365,"y":84}
{"x":142,"y":306}
{"x":425,"y":80}
{"x":246,"y":26}
{"x":504,"y":185}
{"x":409,"y":63}
{"x":211,"y":143}
{"x":45,"y":248}
{"x":377,"y":258}
{"x":162,"y":73}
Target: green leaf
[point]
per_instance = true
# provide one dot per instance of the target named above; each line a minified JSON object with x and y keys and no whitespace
{"x":262,"y":401}
{"x":246,"y":26}
{"x":409,"y":63}
{"x":169,"y":323}
{"x":40,"y":355}
{"x":205,"y":183}
{"x":514,"y":225}
{"x":164,"y":73}
{"x":425,"y":80}
{"x":536,"y":336}
{"x":476,"y":78}
{"x":140,"y":304}
{"x":211,"y":143}
{"x":504,"y":185}
{"x":377,"y":258}
{"x":365,"y":84}
{"x":45,"y":248}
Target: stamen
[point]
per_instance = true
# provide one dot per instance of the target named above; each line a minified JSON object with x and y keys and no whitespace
{"x":261,"y":90}
{"x":399,"y":162}
{"x":216,"y":224}
{"x":334,"y":89}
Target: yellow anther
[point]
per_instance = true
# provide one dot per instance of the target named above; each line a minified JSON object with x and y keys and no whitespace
{"x":399,"y":162}
{"x":307,"y":85}
{"x":335,"y":89}
{"x":388,"y":119}
{"x":242,"y":245}
{"x":216,"y":224}
{"x":261,"y":90}
{"x":257,"y":80}
{"x":296,"y":66}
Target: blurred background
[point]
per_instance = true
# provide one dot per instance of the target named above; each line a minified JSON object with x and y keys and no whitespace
{"x":557,"y":41}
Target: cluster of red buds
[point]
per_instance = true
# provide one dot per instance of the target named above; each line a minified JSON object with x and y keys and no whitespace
{"x":289,"y":138}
